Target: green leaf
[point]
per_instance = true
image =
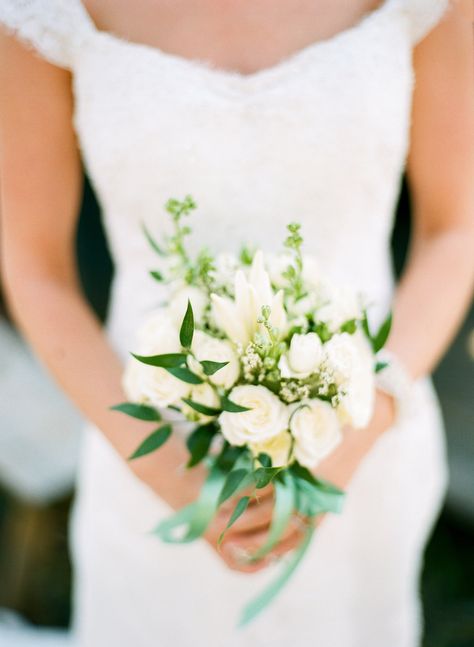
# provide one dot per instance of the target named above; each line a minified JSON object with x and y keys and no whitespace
{"x":210,"y":368}
{"x":380,"y":366}
{"x":185,"y":375}
{"x":231,"y":484}
{"x":303,"y":473}
{"x":232,"y":407}
{"x":158,"y":276}
{"x":198,"y":443}
{"x":264,"y":460}
{"x":153,"y":442}
{"x":201,"y":408}
{"x":262,"y":476}
{"x":229,"y":455}
{"x":168,"y":360}
{"x":239,"y":510}
{"x":258,"y":604}
{"x":153,"y":244}
{"x":315,"y":496}
{"x":322,"y":330}
{"x":187,"y":327}
{"x":365,"y":326}
{"x":140,"y":411}
{"x":383,"y":332}
{"x":349,"y":326}
{"x":282,"y":513}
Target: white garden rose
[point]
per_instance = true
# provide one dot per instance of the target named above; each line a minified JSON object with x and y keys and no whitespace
{"x":278,"y":448}
{"x":267,"y":416}
{"x":341,"y":354}
{"x":357,"y":405}
{"x":179,"y":302}
{"x":153,"y":385}
{"x":316,"y":430}
{"x":149,"y":384}
{"x":202,"y":394}
{"x":350,"y":359}
{"x":338,"y":305}
{"x":206,"y":347}
{"x":303,"y":357}
{"x":158,"y":334}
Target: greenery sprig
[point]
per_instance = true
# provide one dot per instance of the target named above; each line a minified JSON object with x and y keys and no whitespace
{"x":294,"y":272}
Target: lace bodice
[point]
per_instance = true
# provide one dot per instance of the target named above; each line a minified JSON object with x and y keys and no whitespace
{"x":320,"y":137}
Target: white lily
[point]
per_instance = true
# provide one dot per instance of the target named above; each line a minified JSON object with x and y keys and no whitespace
{"x":238,"y":317}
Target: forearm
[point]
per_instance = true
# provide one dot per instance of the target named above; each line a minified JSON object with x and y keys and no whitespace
{"x":432,"y":298}
{"x":430,"y":302}
{"x":69,"y":340}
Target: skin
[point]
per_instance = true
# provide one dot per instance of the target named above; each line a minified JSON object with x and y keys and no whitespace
{"x":40,"y":209}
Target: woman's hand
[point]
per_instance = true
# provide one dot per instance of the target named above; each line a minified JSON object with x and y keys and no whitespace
{"x":164,"y":471}
{"x":250,"y":531}
{"x":339,"y":467}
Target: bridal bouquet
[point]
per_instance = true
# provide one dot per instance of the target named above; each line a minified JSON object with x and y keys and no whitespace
{"x":270,"y":360}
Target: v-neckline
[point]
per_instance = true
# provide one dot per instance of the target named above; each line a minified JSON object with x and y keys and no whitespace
{"x":235,"y":75}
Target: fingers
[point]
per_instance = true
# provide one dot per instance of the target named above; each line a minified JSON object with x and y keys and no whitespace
{"x":237,"y":551}
{"x":257,"y":516}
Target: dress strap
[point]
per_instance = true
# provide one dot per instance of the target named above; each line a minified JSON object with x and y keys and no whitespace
{"x":56,"y":29}
{"x":423,"y":16}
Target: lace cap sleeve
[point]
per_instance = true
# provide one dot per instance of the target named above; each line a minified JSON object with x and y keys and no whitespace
{"x":424,"y":15}
{"x":54,"y":28}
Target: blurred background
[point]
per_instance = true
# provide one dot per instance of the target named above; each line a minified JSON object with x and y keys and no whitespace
{"x":40,"y":432}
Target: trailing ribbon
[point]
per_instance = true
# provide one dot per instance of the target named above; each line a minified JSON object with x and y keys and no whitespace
{"x":282,"y":513}
{"x":258,"y":604}
{"x":195,"y":517}
{"x":295,"y":491}
{"x":312,"y":499}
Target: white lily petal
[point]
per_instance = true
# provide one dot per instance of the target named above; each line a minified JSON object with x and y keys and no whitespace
{"x":260,"y":279}
{"x":247,"y":307}
{"x":229,"y":319}
{"x":278,"y":318}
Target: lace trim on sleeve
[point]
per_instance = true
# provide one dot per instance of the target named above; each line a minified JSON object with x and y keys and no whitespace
{"x":54,"y":28}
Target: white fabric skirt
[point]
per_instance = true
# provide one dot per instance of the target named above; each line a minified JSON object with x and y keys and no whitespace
{"x":358,"y":585}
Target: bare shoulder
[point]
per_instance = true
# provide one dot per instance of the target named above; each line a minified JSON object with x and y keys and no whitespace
{"x":441,"y":160}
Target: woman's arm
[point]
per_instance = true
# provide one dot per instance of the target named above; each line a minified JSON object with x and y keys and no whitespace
{"x":41,"y":181}
{"x":436,"y":286}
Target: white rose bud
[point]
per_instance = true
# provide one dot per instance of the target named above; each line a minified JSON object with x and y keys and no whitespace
{"x":206,"y":347}
{"x":267,"y":416}
{"x":341,"y":355}
{"x":350,"y":359}
{"x":316,"y":430}
{"x":303,"y":357}
{"x":278,"y":448}
{"x":357,"y":403}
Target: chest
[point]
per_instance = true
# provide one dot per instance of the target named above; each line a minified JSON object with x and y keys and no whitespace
{"x":240,"y":35}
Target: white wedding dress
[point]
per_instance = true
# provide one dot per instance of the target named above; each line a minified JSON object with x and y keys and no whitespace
{"x":320,"y":138}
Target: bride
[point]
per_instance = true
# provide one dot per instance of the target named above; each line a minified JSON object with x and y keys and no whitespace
{"x":264,"y":112}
